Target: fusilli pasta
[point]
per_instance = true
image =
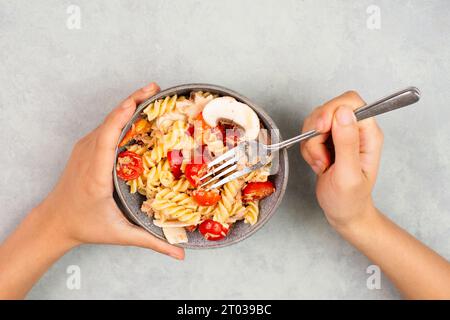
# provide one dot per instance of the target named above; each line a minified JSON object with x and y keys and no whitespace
{"x":160,"y":107}
{"x":152,"y":157}
{"x":176,"y":206}
{"x":225,"y":206}
{"x":180,"y":185}
{"x":251,"y":212}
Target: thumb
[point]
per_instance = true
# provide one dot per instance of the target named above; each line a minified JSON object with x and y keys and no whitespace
{"x":109,"y":132}
{"x":345,"y":133}
{"x":118,"y":118}
{"x":136,"y":236}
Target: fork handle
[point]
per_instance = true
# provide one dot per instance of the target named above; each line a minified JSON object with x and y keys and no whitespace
{"x":395,"y":101}
{"x":392,"y":102}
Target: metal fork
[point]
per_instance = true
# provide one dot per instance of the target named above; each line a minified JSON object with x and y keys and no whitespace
{"x":226,"y":166}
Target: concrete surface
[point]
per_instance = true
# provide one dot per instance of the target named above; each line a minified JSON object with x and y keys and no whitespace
{"x":57,"y":83}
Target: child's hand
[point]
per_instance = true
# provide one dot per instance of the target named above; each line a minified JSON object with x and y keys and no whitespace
{"x":343,"y":187}
{"x":81,"y":205}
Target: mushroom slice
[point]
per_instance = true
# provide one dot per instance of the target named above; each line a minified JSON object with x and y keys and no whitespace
{"x":227,"y":108}
{"x":175,"y":235}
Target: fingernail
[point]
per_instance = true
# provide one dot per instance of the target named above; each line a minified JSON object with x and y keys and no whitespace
{"x":150,"y":87}
{"x":175,"y":255}
{"x":345,"y":117}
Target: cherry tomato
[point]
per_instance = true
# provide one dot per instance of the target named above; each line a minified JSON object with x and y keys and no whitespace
{"x":194,"y":171}
{"x":213,"y":230}
{"x":204,"y":125}
{"x":140,"y":126}
{"x":175,"y":158}
{"x":207,"y":198}
{"x":190,"y":130}
{"x":129,"y":165}
{"x":257,"y":190}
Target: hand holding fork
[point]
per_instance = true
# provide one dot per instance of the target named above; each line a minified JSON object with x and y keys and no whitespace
{"x":226,"y":167}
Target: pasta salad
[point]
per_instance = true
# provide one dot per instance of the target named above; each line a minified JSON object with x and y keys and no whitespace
{"x":166,"y":152}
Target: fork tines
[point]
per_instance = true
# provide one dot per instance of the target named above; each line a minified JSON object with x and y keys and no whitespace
{"x":226,"y":166}
{"x":220,"y":169}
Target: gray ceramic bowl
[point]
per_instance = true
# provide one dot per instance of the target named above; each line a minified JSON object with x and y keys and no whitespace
{"x":130,"y":203}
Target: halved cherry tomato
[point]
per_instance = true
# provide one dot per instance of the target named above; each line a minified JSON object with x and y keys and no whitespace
{"x":206,"y":197}
{"x":129,"y":165}
{"x":140,"y":126}
{"x":175,"y":158}
{"x":213,"y":230}
{"x":194,"y":171}
{"x":257,"y":190}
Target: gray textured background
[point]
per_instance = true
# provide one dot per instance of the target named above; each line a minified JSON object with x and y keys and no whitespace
{"x":288,"y":56}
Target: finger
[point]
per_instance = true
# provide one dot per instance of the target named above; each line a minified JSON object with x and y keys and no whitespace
{"x":371,"y":143}
{"x":143,"y":94}
{"x":322,"y":117}
{"x":350,"y":98}
{"x":313,"y":150}
{"x":371,"y":137}
{"x":345,"y":133}
{"x":136,"y":236}
{"x":316,"y":155}
{"x":315,"y":121}
{"x":118,"y":118}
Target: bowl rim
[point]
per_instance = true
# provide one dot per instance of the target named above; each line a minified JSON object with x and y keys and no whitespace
{"x":120,"y":199}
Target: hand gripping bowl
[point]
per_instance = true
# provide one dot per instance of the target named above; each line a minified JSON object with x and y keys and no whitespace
{"x":130,"y":203}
